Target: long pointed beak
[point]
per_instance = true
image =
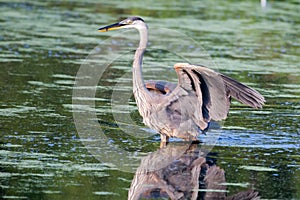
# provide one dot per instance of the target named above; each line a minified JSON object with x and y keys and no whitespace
{"x":110,"y":27}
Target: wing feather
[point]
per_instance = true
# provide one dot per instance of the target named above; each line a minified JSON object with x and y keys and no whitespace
{"x":214,"y":90}
{"x":208,"y":87}
{"x":243,"y":93}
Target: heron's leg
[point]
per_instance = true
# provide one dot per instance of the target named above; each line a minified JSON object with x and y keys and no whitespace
{"x":163,"y":140}
{"x":162,"y":144}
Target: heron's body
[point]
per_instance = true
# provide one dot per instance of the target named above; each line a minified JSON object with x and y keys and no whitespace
{"x":182,"y":110}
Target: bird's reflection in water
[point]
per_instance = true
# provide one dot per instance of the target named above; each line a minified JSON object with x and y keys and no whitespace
{"x":179,"y":171}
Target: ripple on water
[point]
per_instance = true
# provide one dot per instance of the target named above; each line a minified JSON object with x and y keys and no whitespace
{"x":13,"y":112}
{"x":258,"y":168}
{"x":254,"y":139}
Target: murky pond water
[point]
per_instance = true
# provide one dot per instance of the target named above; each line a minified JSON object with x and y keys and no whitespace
{"x":44,"y":44}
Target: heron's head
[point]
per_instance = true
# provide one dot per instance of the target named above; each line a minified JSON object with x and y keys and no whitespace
{"x":131,"y":22}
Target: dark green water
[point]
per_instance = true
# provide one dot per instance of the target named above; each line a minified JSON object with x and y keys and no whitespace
{"x":44,"y":44}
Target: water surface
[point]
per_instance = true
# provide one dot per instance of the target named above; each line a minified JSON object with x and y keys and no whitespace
{"x":43,"y":45}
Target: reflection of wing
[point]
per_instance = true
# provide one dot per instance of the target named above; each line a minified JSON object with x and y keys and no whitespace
{"x":246,"y":195}
{"x":214,"y":183}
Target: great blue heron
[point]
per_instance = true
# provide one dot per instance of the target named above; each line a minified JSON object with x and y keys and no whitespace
{"x":182,"y":110}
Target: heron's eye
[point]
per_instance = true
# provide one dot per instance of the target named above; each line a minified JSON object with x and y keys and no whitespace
{"x":129,"y":21}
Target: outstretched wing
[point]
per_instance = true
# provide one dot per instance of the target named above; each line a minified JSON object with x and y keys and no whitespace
{"x":202,"y":94}
{"x":214,"y":90}
{"x":209,"y":88}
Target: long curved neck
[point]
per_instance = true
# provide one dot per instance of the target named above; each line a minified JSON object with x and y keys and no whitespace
{"x":139,"y":88}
